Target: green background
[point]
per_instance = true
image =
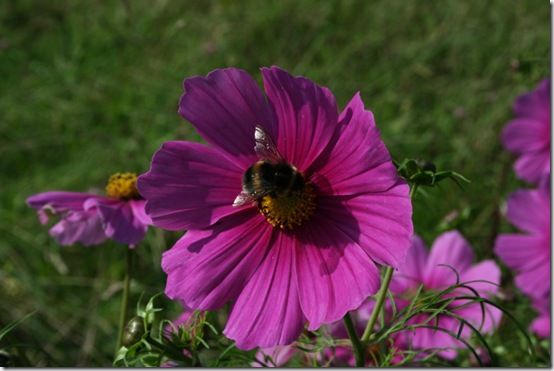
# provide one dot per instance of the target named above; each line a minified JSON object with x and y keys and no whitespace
{"x":89,"y":88}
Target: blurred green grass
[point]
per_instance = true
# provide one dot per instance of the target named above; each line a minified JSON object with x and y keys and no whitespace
{"x":91,"y":88}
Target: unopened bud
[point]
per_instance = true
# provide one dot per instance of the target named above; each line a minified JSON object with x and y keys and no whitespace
{"x":133,"y":331}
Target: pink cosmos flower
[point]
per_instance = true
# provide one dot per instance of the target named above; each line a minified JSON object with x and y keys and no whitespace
{"x":529,"y":253}
{"x":528,"y":135}
{"x":90,"y":219}
{"x":301,"y":240}
{"x":436,"y":270}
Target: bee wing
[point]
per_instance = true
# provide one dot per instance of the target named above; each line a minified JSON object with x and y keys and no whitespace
{"x":265,"y":148}
{"x":243,"y":198}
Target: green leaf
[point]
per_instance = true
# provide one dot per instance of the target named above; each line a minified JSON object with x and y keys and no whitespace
{"x":10,"y":326}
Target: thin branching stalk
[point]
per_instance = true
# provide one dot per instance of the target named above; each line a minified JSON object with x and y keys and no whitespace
{"x":380,"y":300}
{"x":357,"y":346}
{"x":125,"y":298}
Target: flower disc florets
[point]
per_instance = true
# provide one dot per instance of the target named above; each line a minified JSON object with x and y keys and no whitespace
{"x":123,"y":186}
{"x":291,"y":210}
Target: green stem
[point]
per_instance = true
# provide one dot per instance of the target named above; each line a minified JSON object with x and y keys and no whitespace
{"x":413,"y":190}
{"x":380,"y":300}
{"x":356,"y":344}
{"x":125,"y":298}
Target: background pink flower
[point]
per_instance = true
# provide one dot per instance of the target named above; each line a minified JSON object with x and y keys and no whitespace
{"x":90,"y":219}
{"x":528,"y":254}
{"x":528,"y":135}
{"x":278,"y":278}
{"x":436,"y":270}
{"x":76,"y":223}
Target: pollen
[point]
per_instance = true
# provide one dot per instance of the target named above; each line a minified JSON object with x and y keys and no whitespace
{"x":289,"y":211}
{"x":123,"y":186}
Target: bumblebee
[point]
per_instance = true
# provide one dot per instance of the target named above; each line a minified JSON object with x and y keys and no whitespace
{"x":273,"y":179}
{"x":271,"y":176}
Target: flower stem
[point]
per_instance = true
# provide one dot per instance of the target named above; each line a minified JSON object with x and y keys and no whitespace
{"x":356,"y":344}
{"x":125,"y":298}
{"x":380,"y":300}
{"x":413,"y":190}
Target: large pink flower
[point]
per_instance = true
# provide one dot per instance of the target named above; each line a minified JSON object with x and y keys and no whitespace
{"x":450,"y":258}
{"x":90,"y":219}
{"x":321,"y":259}
{"x":528,"y":135}
{"x":529,"y":253}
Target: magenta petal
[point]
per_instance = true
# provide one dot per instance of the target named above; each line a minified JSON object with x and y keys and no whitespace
{"x":523,"y":135}
{"x":138,"y":207}
{"x":535,"y":104}
{"x":380,"y":223}
{"x":483,"y":277}
{"x":433,"y":339}
{"x":267,"y":312}
{"x":118,"y":220}
{"x":410,"y":274}
{"x":306,"y":116}
{"x":450,"y":253}
{"x":532,"y":166}
{"x":225,"y":108}
{"x":529,"y":134}
{"x":334,"y":274}
{"x":473,"y":313}
{"x":57,"y":202}
{"x":529,"y":256}
{"x":522,"y":252}
{"x":207,"y":268}
{"x":541,"y":325}
{"x":358,"y":161}
{"x":529,"y":211}
{"x":83,"y":227}
{"x":189,"y":186}
{"x":535,"y":282}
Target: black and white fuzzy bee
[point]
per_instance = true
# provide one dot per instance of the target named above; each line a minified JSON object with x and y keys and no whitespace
{"x":270,"y":176}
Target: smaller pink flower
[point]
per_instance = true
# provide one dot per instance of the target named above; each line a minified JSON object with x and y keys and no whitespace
{"x":528,"y":135}
{"x":90,"y":219}
{"x":528,"y":253}
{"x":450,"y":258}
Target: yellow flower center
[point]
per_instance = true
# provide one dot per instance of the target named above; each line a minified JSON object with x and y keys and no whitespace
{"x":290,"y":210}
{"x":123,"y":186}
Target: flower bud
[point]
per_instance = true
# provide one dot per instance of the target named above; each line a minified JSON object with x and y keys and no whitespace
{"x":133,"y":331}
{"x":427,"y":166}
